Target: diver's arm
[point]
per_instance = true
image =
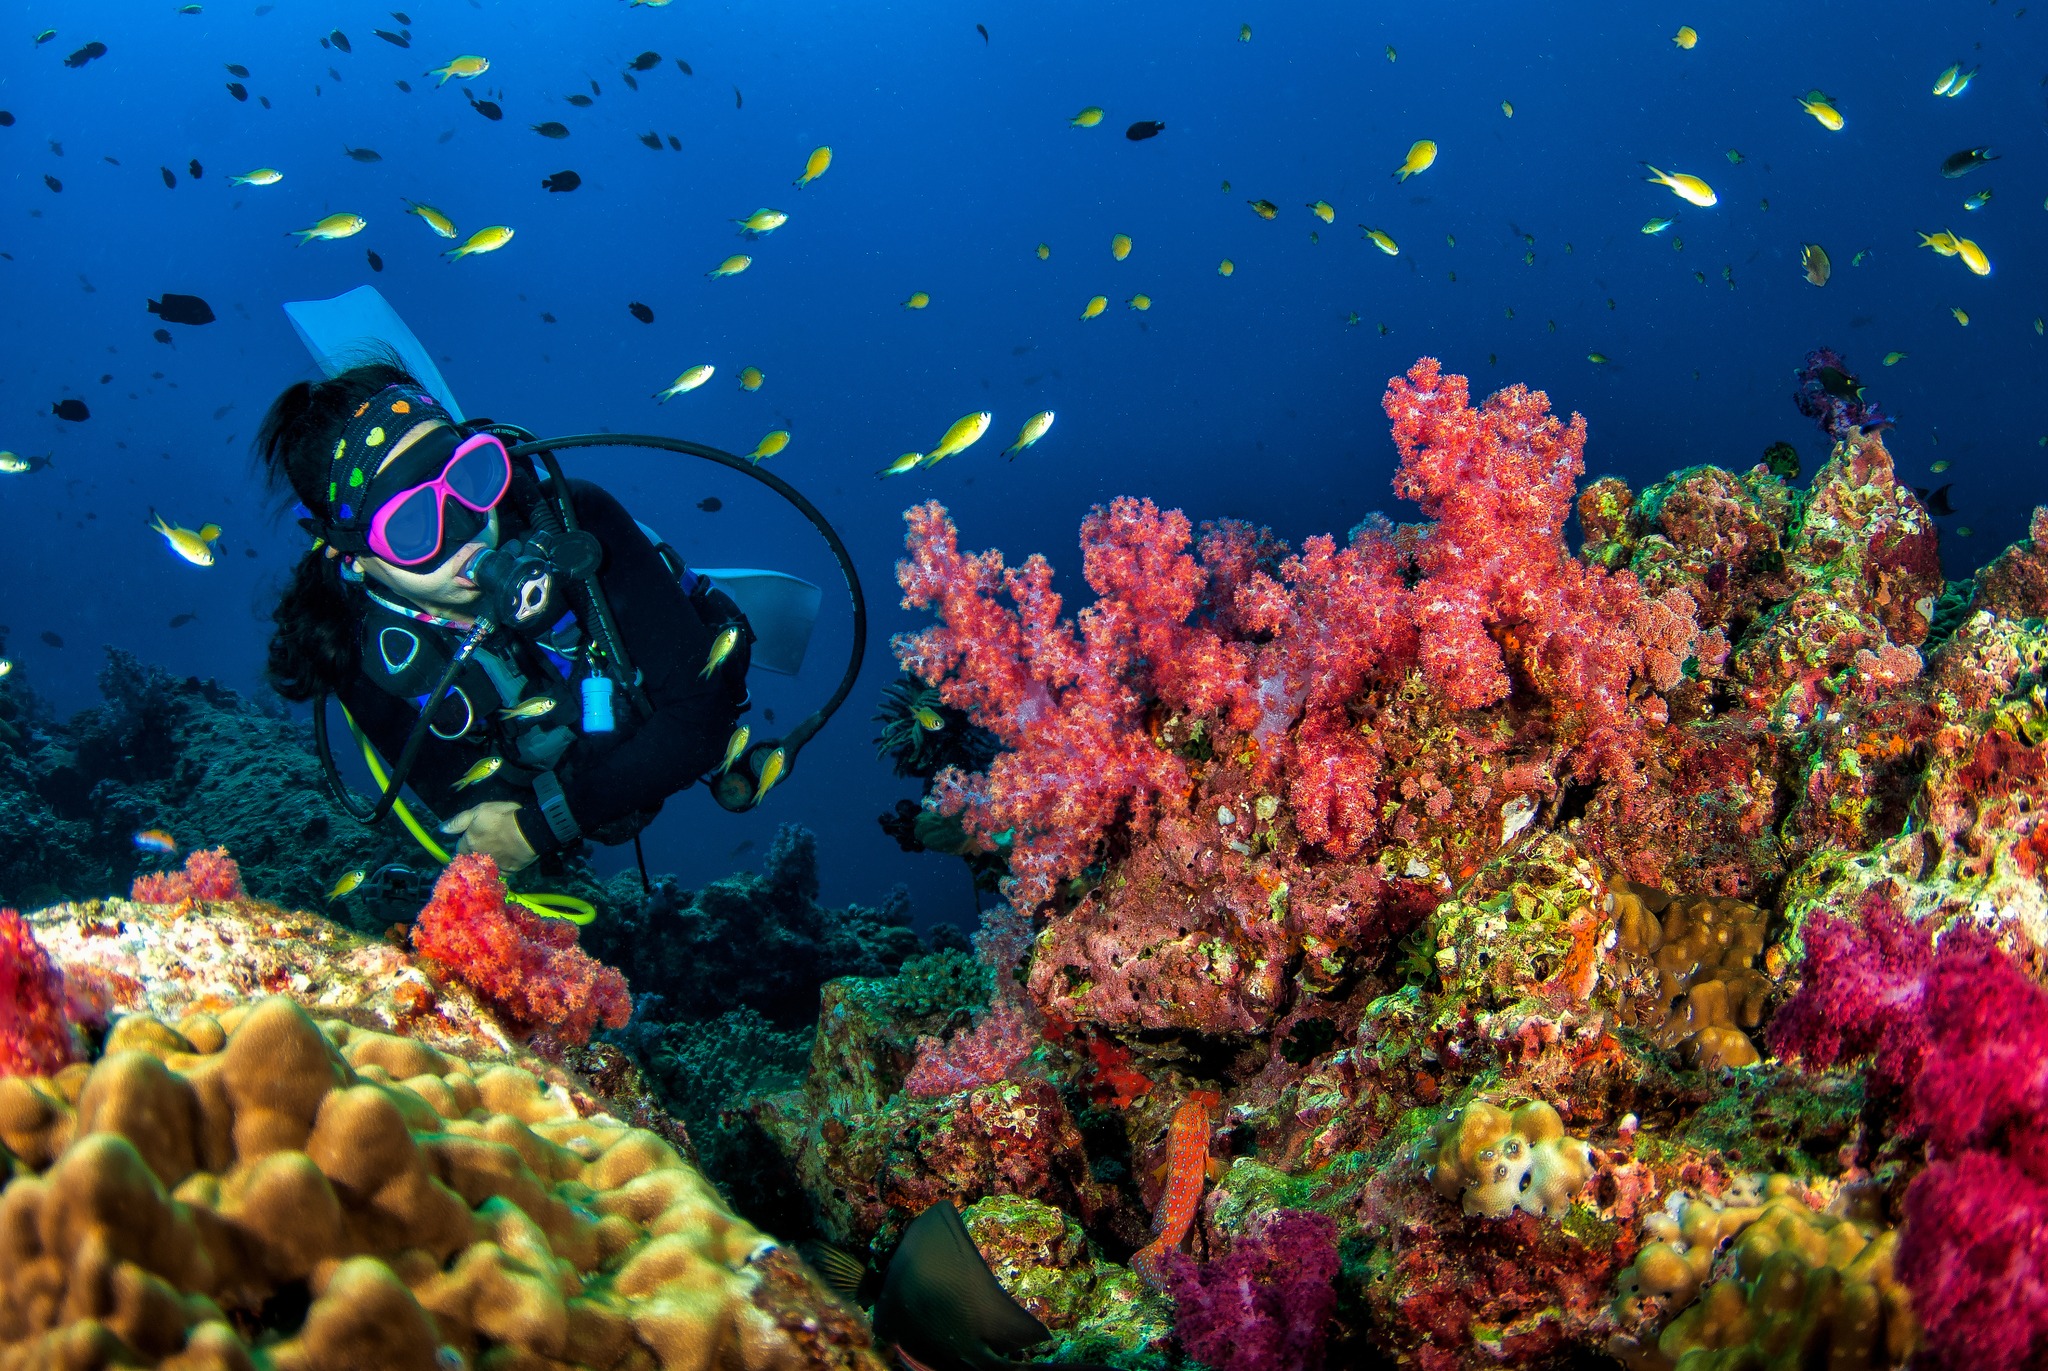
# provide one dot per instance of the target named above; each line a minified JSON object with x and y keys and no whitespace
{"x":669,"y":642}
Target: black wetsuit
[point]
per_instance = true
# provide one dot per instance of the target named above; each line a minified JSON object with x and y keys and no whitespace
{"x":613,"y":782}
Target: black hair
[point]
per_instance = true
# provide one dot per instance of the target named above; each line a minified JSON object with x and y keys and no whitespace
{"x":316,"y":646}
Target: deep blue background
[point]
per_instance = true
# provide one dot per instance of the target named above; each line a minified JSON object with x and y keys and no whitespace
{"x":1247,"y":396}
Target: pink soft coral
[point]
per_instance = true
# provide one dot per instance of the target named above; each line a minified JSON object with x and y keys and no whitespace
{"x":527,"y":967}
{"x":35,"y":1037}
{"x":1266,"y":1305}
{"x":209,"y":874}
{"x":990,"y":1051}
{"x":1958,"y":1034}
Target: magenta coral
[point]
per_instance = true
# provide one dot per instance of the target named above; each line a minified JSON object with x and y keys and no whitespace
{"x":990,"y":1051}
{"x":209,"y":874}
{"x":528,"y":968}
{"x":1266,"y":1305}
{"x":35,"y":1037}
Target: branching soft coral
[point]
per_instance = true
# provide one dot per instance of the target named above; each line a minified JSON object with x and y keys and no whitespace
{"x":209,"y":874}
{"x":1960,"y":1034}
{"x":527,"y":967}
{"x":35,"y":1037}
{"x":1266,"y":1305}
{"x":982,"y":1055}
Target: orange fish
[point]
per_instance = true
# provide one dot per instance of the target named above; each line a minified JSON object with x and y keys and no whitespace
{"x":1187,"y":1165}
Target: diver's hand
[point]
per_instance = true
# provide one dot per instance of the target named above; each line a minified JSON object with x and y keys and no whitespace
{"x":492,"y":828}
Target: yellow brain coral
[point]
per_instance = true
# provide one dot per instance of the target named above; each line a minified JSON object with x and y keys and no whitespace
{"x":1499,"y":1162}
{"x":261,"y":1189}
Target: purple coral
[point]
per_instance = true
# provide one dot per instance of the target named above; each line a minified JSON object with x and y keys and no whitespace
{"x":1267,"y":1304}
{"x":1831,"y":396}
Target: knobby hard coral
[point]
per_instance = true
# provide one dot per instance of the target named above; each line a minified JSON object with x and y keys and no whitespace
{"x":1697,"y":954}
{"x":529,"y":968}
{"x":35,"y":1036}
{"x":209,"y":874}
{"x":196,"y":1186}
{"x":1499,"y":1162}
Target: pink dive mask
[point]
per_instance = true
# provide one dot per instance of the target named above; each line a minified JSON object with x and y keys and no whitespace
{"x":408,"y":529}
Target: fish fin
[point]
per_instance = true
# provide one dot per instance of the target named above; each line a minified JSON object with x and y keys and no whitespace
{"x":1161,"y":1171}
{"x":1218,"y":1168}
{"x":842,"y":1271}
{"x":939,"y":1294}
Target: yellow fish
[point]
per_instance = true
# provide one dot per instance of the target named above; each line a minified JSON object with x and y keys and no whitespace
{"x":918,"y":300}
{"x":1140,"y":303}
{"x":528,"y":709}
{"x":721,"y":647}
{"x":1120,"y":246}
{"x":1244,"y":33}
{"x":14,"y":464}
{"x":1322,"y":210}
{"x":1943,"y":243}
{"x":689,"y":380}
{"x":1892,"y":359}
{"x":6,"y":668}
{"x":1686,"y":37}
{"x":1044,"y":251}
{"x":1938,"y":467}
{"x":435,"y":220}
{"x":964,"y":434}
{"x":1226,"y":267}
{"x":262,"y":176}
{"x":1421,"y":157}
{"x":928,"y":719}
{"x":770,"y":444}
{"x":1087,"y":118}
{"x":1961,"y":317}
{"x":1656,"y":225}
{"x":1096,"y":304}
{"x":762,"y":222}
{"x":1390,"y":52}
{"x":1690,"y":189}
{"x":1972,"y":255}
{"x":482,"y":771}
{"x":483,"y":240}
{"x":462,"y":66}
{"x":1507,"y":107}
{"x":815,"y":166}
{"x":771,"y":772}
{"x":2039,"y":328}
{"x":1383,"y":242}
{"x":194,"y":547}
{"x":1265,"y":209}
{"x":332,"y":227}
{"x":1946,"y":81}
{"x":734,"y":746}
{"x":1034,"y":429}
{"x":909,"y":461}
{"x":1598,"y":359}
{"x":346,"y":884}
{"x":731,"y":266}
{"x":1823,"y":109}
{"x":750,"y":379}
{"x":1813,"y":258}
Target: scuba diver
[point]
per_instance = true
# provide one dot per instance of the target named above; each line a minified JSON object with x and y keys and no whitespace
{"x":539,"y":667}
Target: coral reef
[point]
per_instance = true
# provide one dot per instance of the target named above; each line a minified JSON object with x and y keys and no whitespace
{"x":256,"y":1186}
{"x":35,"y":1032}
{"x":209,"y":874}
{"x":1494,"y":1162}
{"x":1266,"y":1304}
{"x":1831,"y":396}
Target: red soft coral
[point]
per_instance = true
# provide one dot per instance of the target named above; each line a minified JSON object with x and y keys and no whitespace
{"x":35,"y":1037}
{"x":209,"y":874}
{"x":528,"y":968}
{"x":1267,"y":1305}
{"x":983,"y":1055}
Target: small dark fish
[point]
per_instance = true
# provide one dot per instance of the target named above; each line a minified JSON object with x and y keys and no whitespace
{"x":1143,"y":129}
{"x":248,"y":552}
{"x":711,"y":504}
{"x":180,"y":620}
{"x":595,"y":89}
{"x":652,"y":140}
{"x":982,"y":29}
{"x":364,"y":154}
{"x":551,"y":129}
{"x":446,"y":134}
{"x":737,"y":103}
{"x":641,"y":312}
{"x":73,"y":410}
{"x":238,"y":90}
{"x":262,"y":10}
{"x":547,"y":318}
{"x":238,"y":71}
{"x":105,"y":377}
{"x":111,"y":161}
{"x":162,"y":335}
{"x":86,"y":54}
{"x":52,"y":639}
{"x":194,"y":169}
{"x":45,"y":36}
{"x":684,"y":67}
{"x":334,"y":74}
{"x":53,"y":183}
{"x":769,"y":715}
{"x":1936,"y":500}
{"x":675,"y":144}
{"x":340,"y":40}
{"x":56,"y":147}
{"x":487,"y":108}
{"x":580,"y":101}
{"x":627,"y":77}
{"x":170,"y":181}
{"x":745,"y":845}
{"x":403,"y":22}
{"x":6,"y":119}
{"x":263,"y":100}
{"x":1968,"y":160}
{"x":405,"y":86}
{"x":1840,"y":384}
{"x":646,"y":60}
{"x":376,"y":262}
{"x":562,"y":181}
{"x":182,"y":309}
{"x":397,"y":40}
{"x":223,"y":411}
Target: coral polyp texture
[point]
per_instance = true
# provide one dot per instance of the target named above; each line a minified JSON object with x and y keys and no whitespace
{"x":260,"y":1188}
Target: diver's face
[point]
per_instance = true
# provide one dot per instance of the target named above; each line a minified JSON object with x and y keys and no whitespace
{"x":434,"y":587}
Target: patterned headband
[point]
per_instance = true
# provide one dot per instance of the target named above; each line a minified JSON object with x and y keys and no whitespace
{"x":384,"y":417}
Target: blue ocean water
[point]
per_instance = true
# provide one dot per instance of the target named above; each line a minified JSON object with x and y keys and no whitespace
{"x":1249,"y":396}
